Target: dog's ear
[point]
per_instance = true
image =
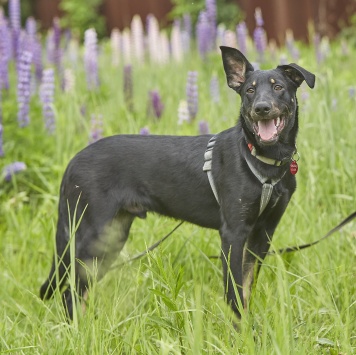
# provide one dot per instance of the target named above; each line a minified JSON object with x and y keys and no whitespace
{"x":297,"y":74}
{"x":235,"y":66}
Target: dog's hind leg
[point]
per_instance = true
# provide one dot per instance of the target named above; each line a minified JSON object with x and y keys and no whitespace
{"x":96,"y":252}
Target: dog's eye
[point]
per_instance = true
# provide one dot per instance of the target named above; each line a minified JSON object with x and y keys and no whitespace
{"x":278,"y":87}
{"x":250,"y":90}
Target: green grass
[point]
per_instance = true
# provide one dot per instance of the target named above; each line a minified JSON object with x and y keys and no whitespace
{"x":171,"y":302}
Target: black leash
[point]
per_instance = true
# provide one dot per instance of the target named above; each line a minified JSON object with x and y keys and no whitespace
{"x":153,"y":246}
{"x":280,"y":251}
{"x":304,"y":246}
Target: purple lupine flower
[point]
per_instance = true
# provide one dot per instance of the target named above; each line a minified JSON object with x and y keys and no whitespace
{"x":24,"y":88}
{"x":5,"y":52}
{"x":214,"y":89}
{"x":91,"y":58}
{"x":352,"y":92}
{"x":192,"y":94}
{"x":204,"y":127}
{"x":96,"y":130}
{"x":31,"y":27}
{"x":241,"y":32}
{"x":50,"y":46}
{"x":211,"y":12}
{"x":128,"y":87}
{"x":204,"y":34}
{"x":46,"y":96}
{"x":37,"y":59}
{"x":34,"y":46}
{"x":15,"y":24}
{"x":259,"y":35}
{"x":144,"y":131}
{"x":156,"y":103}
{"x":258,"y":17}
{"x":14,"y":168}
{"x":57,"y":54}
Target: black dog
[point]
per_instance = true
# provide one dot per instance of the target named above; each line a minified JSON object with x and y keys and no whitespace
{"x":111,"y":182}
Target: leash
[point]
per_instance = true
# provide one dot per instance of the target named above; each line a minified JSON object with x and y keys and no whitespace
{"x":152,"y":247}
{"x":292,"y":249}
{"x":347,"y":220}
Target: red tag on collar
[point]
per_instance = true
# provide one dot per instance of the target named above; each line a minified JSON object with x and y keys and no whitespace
{"x":293,"y":167}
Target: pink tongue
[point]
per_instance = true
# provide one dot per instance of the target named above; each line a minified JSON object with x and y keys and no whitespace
{"x":266,"y":129}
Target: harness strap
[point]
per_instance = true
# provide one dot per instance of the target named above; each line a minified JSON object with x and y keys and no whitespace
{"x":208,"y":157}
{"x":267,"y":187}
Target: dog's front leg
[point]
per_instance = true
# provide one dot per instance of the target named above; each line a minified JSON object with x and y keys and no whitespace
{"x":233,"y":241}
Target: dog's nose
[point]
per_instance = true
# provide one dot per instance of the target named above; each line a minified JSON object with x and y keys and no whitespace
{"x":262,"y":108}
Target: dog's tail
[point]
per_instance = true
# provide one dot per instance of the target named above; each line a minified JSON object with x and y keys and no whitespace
{"x":59,"y":272}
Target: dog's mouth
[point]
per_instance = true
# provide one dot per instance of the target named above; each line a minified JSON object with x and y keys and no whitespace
{"x":269,"y":130}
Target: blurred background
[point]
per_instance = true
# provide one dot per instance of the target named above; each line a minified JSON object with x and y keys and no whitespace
{"x":327,"y":17}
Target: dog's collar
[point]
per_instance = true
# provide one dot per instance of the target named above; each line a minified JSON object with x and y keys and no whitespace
{"x":269,"y":161}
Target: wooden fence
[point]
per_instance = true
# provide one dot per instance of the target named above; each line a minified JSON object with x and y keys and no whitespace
{"x":327,"y":16}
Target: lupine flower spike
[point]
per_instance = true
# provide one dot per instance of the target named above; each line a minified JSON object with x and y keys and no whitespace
{"x":15,"y":24}
{"x":5,"y":51}
{"x":259,"y":35}
{"x":241,"y":32}
{"x":14,"y":168}
{"x":204,"y":35}
{"x":23,"y":88}
{"x":96,"y":131}
{"x":46,"y":96}
{"x":204,"y":127}
{"x":156,"y":103}
{"x":183,"y":113}
{"x":91,"y":58}
{"x":192,"y":94}
{"x":144,"y":131}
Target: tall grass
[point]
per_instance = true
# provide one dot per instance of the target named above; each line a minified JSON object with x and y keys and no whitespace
{"x":171,"y":302}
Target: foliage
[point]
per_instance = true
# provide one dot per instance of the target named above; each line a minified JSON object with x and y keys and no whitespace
{"x":228,"y":11}
{"x":80,"y":15}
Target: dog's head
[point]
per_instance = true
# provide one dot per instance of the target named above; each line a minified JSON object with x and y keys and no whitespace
{"x":268,"y":97}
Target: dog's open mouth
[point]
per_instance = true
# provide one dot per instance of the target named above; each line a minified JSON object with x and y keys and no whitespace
{"x":268,"y":130}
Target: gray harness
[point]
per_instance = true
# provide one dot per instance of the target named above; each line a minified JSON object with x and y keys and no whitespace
{"x":267,"y":187}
